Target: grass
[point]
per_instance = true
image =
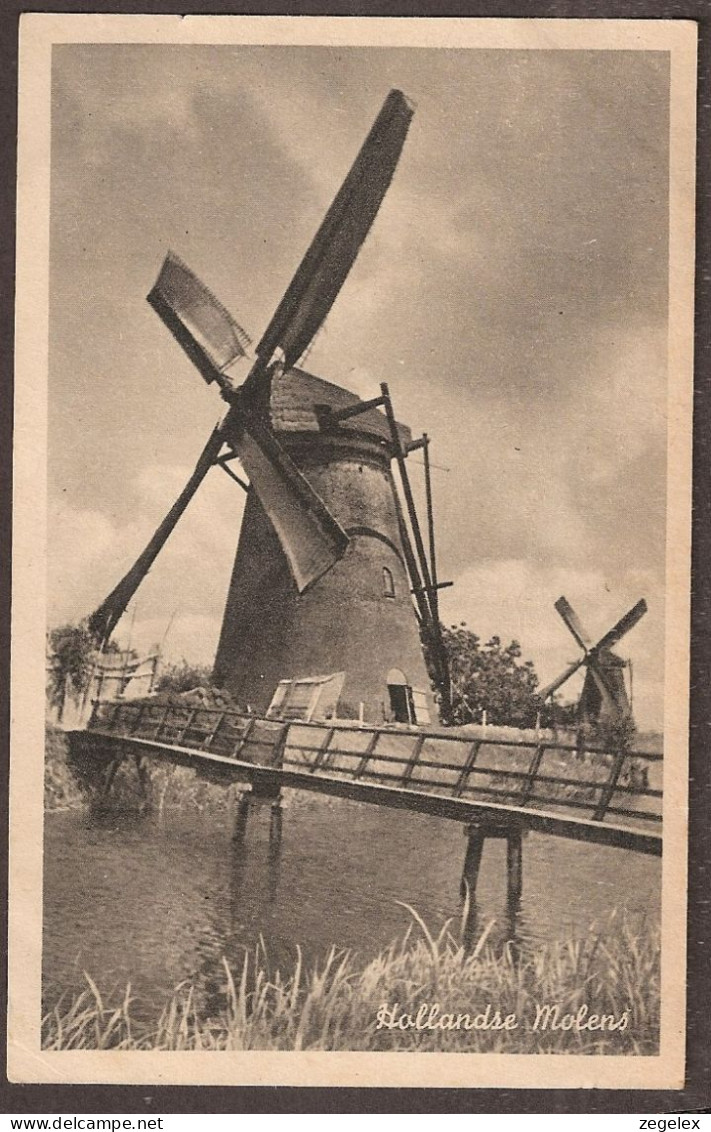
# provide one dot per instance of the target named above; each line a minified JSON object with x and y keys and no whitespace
{"x":333,"y":1003}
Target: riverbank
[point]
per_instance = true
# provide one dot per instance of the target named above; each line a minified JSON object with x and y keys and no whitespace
{"x":597,"y":995}
{"x":70,"y":785}
{"x":62,"y":788}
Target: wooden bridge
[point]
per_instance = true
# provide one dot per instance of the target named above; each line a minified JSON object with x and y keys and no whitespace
{"x":497,"y":787}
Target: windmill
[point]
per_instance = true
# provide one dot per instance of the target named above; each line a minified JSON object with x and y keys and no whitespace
{"x":604,"y":696}
{"x":326,"y":567}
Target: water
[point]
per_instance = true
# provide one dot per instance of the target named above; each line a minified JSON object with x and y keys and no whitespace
{"x":155,"y":900}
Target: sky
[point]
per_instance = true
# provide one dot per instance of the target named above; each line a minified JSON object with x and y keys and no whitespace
{"x":512,"y":292}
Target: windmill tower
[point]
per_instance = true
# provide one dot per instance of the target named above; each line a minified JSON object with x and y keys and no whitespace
{"x":357,"y":618}
{"x":327,"y":564}
{"x":604,"y":696}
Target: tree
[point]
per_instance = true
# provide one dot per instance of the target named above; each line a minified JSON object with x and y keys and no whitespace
{"x":71,"y":649}
{"x":489,"y":678}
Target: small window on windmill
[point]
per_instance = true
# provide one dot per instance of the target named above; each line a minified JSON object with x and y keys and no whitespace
{"x":388,"y":582}
{"x":307,"y":698}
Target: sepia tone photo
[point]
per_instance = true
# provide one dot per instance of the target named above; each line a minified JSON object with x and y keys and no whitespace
{"x":351,"y":551}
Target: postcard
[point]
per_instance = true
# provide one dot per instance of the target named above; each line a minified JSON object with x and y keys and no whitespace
{"x":351,"y":570}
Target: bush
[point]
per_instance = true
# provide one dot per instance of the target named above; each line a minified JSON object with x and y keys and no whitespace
{"x":183,"y":677}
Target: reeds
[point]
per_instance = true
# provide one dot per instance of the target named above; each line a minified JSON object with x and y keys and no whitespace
{"x":337,"y":1003}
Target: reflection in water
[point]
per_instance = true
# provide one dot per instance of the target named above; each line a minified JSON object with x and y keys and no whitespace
{"x":507,"y":932}
{"x":156,"y":900}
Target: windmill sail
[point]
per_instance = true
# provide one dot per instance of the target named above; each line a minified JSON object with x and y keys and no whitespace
{"x":103,"y":620}
{"x":623,"y":626}
{"x":205,"y":329}
{"x":566,"y":611}
{"x":310,"y":536}
{"x":554,"y":685}
{"x":333,"y":251}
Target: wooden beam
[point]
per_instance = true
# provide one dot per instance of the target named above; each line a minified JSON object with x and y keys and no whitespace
{"x":608,"y":788}
{"x":414,"y":445}
{"x":328,"y":417}
{"x":430,"y":527}
{"x":108,"y":782}
{"x":428,"y":608}
{"x":412,"y":761}
{"x":241,"y":818}
{"x":467,"y":768}
{"x":244,"y":737}
{"x":529,"y":781}
{"x":416,"y":587}
{"x":514,"y":866}
{"x":406,"y":487}
{"x":322,"y":750}
{"x":472,"y":863}
{"x":211,"y":735}
{"x":275,"y":830}
{"x":233,"y":475}
{"x":367,"y":753}
{"x":438,"y":586}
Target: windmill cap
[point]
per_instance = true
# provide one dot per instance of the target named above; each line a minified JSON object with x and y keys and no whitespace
{"x":296,"y":393}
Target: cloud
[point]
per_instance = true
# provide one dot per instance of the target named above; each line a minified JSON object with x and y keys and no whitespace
{"x":180,"y":637}
{"x":79,"y":541}
{"x":89,"y":554}
{"x":513,"y":293}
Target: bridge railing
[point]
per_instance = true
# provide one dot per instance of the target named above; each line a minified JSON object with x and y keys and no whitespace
{"x":531,"y":773}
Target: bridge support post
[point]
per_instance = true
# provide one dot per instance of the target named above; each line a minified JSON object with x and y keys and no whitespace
{"x":109,"y":780}
{"x":275,"y":828}
{"x":472,"y":861}
{"x":241,"y":818}
{"x":514,"y":866}
{"x":144,"y":782}
{"x":476,"y":834}
{"x":260,"y":796}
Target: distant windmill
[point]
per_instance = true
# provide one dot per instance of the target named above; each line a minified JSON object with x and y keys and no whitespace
{"x":325,"y":572}
{"x":604,"y":696}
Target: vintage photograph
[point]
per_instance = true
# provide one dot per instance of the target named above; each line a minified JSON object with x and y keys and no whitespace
{"x":358,"y":419}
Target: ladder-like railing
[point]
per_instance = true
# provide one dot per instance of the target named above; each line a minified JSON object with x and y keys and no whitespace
{"x":529,"y":774}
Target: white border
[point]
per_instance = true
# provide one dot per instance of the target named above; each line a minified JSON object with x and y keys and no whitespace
{"x":26,"y":1061}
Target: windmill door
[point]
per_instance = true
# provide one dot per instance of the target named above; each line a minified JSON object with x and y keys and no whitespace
{"x":407,"y":705}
